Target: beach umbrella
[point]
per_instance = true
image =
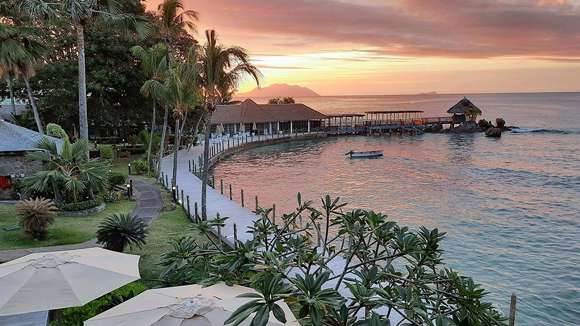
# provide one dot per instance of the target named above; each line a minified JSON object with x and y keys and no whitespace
{"x":190,"y":305}
{"x":56,"y":280}
{"x":254,"y":127}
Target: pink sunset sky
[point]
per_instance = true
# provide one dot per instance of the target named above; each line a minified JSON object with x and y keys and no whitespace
{"x":359,"y":47}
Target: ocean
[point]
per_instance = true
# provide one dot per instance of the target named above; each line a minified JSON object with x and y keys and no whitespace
{"x":510,"y":206}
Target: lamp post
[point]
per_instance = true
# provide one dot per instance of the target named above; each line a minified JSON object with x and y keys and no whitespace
{"x":173,"y":189}
{"x":129,"y":168}
{"x":128,"y":191}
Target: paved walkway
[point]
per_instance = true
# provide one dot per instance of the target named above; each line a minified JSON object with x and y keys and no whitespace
{"x":216,"y":203}
{"x":148,"y":206}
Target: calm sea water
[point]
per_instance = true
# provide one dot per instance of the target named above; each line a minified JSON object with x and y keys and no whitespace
{"x":510,"y":206}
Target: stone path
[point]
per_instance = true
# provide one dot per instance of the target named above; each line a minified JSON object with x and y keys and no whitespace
{"x":148,"y":206}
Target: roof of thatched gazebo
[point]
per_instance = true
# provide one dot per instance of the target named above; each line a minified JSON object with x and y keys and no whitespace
{"x":464,"y":106}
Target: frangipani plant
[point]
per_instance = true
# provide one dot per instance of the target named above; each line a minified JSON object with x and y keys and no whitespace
{"x":338,"y":267}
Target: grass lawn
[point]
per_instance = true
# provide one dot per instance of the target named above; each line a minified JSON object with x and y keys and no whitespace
{"x":65,"y":230}
{"x":169,"y":225}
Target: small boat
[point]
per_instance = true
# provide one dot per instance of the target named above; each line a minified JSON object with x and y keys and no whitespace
{"x":368,"y":154}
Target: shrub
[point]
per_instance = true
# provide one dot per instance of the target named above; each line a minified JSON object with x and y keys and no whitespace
{"x":138,"y":167}
{"x":117,"y":179}
{"x":80,"y":206}
{"x":36,"y":215}
{"x":121,"y":230}
{"x":76,"y":316}
{"x":114,"y":196}
{"x":380,"y":265}
{"x":106,"y":151}
{"x":54,"y":130}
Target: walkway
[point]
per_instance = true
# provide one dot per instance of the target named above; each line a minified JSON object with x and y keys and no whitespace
{"x":148,"y":206}
{"x":216,"y":203}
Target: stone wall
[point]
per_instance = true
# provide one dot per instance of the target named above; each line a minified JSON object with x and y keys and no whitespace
{"x":17,"y":165}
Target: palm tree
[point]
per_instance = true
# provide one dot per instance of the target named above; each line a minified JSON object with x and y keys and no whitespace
{"x":66,"y":174}
{"x":19,"y":52}
{"x":79,"y":13}
{"x":154,"y":64}
{"x":174,"y":23}
{"x":182,"y":94}
{"x":222,"y":69}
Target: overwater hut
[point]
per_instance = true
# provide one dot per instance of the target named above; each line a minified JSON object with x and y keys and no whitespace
{"x":249,"y":116}
{"x":15,"y":143}
{"x":464,"y":111}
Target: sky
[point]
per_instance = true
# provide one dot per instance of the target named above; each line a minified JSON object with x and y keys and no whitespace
{"x":367,"y":47}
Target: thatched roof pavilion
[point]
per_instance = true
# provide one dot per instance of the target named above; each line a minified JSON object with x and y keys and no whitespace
{"x":249,"y":115}
{"x":465,"y":108}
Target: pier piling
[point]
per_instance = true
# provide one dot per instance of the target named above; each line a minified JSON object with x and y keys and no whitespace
{"x":242,"y":197}
{"x":512,"y":316}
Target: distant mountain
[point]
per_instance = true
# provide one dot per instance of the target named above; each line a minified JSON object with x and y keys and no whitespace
{"x":279,"y":90}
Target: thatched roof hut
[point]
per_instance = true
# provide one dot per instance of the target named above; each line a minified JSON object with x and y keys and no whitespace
{"x":465,"y":108}
{"x":249,"y":111}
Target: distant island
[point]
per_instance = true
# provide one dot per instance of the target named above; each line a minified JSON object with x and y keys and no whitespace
{"x":280,"y":90}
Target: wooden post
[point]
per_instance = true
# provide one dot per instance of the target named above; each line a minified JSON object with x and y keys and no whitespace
{"x":222,"y":186}
{"x":193,"y":162}
{"x":231,"y":192}
{"x":257,"y":203}
{"x":176,"y":192}
{"x":166,"y":181}
{"x":188,"y":208}
{"x":242,"y":197}
{"x":189,"y":163}
{"x":182,"y":203}
{"x":195,"y":211}
{"x":235,"y":236}
{"x":274,"y":213}
{"x":512,"y":316}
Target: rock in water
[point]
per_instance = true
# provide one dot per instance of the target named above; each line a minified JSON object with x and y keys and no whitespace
{"x":493,"y":132}
{"x":484,"y":124}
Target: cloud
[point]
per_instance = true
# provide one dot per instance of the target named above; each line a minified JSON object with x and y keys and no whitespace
{"x":442,"y":28}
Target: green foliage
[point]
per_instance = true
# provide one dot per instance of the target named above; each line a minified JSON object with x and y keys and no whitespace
{"x":270,"y":291}
{"x":106,"y":151}
{"x":114,"y":196}
{"x":36,"y":215}
{"x":339,"y":267}
{"x":121,"y":230}
{"x":55,"y":130}
{"x":77,"y":316}
{"x":284,"y":100}
{"x":138,"y":167}
{"x":117,"y":179}
{"x":80,"y":206}
{"x":145,"y":136}
{"x":67,"y":176}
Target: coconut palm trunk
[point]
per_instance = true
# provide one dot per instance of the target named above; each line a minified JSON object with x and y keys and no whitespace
{"x":150,"y":145}
{"x":205,"y":172}
{"x":162,"y":144}
{"x":175,"y":150}
{"x":11,"y":90}
{"x":33,"y":105}
{"x":83,"y":118}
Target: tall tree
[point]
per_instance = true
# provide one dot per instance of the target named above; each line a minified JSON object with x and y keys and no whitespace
{"x":154,"y":64}
{"x":79,"y":13}
{"x":20,"y":51}
{"x":182,"y":93}
{"x":172,"y":24}
{"x":222,"y":68}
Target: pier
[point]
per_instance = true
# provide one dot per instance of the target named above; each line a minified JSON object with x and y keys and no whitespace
{"x":251,"y":118}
